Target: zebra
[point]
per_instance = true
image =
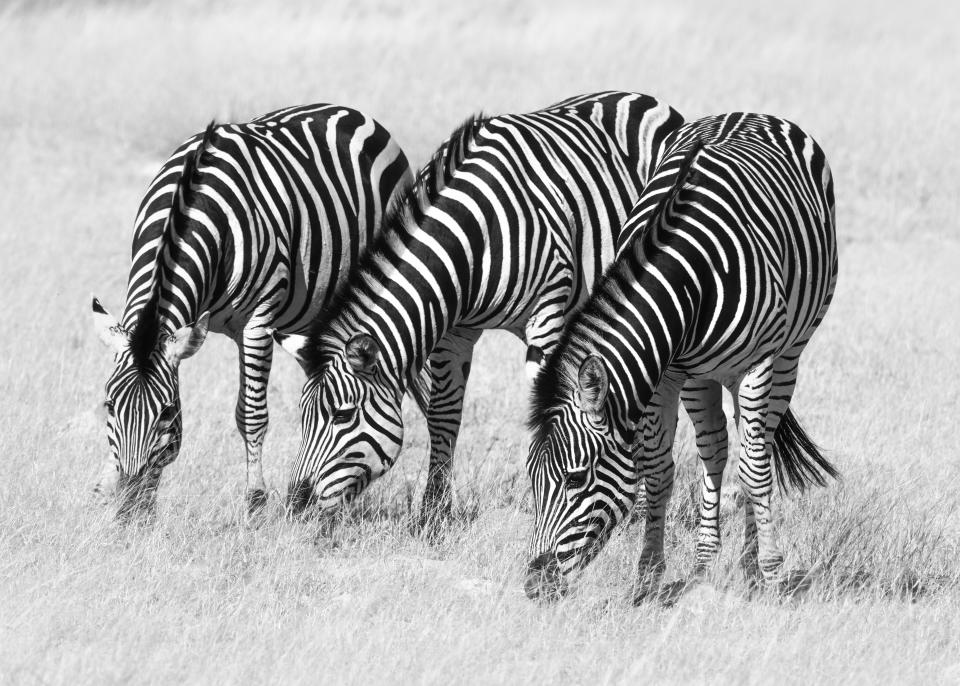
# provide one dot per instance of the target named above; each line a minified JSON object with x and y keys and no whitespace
{"x":728,"y":266}
{"x":507,"y":227}
{"x":246,"y":229}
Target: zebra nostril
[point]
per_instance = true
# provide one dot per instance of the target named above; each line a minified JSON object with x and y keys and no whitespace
{"x":299,"y":496}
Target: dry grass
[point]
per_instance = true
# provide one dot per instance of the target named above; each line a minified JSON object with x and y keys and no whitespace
{"x":91,"y":99}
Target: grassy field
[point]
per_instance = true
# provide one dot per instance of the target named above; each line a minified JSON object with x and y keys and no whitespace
{"x":93,"y":98}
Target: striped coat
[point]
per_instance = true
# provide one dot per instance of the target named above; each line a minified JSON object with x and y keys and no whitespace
{"x":508,"y":227}
{"x":246,"y":229}
{"x":728,"y":265}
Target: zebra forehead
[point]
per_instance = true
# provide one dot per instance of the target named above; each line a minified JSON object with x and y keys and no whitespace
{"x":335,"y":380}
{"x":137,"y":380}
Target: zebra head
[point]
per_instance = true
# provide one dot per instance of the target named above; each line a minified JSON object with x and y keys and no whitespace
{"x":582,"y":473}
{"x":141,"y":407}
{"x":352,"y":429}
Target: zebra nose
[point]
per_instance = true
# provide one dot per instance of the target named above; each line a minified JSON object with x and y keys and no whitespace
{"x":299,"y":496}
{"x":544,"y":580}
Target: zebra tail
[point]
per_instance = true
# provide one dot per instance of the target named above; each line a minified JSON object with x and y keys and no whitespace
{"x":797,"y":460}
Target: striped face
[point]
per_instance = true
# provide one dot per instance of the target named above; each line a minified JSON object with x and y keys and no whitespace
{"x":352,"y":429}
{"x":142,"y":409}
{"x":144,"y":428}
{"x":583,"y":478}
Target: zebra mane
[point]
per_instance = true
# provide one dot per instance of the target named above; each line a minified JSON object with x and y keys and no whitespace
{"x":146,"y":332}
{"x":555,"y":377}
{"x":405,"y":209}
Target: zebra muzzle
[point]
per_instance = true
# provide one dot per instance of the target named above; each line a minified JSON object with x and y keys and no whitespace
{"x":544,"y":579}
{"x":137,"y":495}
{"x":299,"y":497}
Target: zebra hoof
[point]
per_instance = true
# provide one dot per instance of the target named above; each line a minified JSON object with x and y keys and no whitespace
{"x":648,"y":586}
{"x":433,"y":521}
{"x":794,"y":583}
{"x":256,"y":501}
{"x":431,"y":526}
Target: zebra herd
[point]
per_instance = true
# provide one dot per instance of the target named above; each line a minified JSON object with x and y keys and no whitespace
{"x":642,"y":259}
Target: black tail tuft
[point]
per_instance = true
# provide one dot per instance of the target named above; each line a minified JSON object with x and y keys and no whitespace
{"x":797,"y":460}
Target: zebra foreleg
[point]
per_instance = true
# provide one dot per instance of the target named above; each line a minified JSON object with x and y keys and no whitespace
{"x":703,"y":401}
{"x":659,"y":429}
{"x":449,"y":366}
{"x":256,"y":357}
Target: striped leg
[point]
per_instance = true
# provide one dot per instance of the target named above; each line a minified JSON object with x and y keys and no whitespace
{"x":660,"y":426}
{"x":703,"y":401}
{"x":762,"y":557}
{"x":449,"y":365}
{"x":256,"y":357}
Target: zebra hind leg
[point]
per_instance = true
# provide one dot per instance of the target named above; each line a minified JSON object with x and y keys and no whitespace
{"x":797,"y":461}
{"x":256,"y":357}
{"x":449,"y":367}
{"x":703,"y":402}
{"x":762,"y":559}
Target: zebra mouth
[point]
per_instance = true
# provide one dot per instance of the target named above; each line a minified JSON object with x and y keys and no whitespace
{"x":545,"y":581}
{"x":137,"y":494}
{"x":302,"y":495}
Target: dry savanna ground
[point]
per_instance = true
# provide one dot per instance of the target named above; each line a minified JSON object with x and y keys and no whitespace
{"x":93,"y":95}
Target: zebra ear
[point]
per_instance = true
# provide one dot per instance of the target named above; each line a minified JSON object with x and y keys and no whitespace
{"x":186,"y":340}
{"x":108,"y":329}
{"x":362,"y":353}
{"x":295,"y":344}
{"x":594,"y":384}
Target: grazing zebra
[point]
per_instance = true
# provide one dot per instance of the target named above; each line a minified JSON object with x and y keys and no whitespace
{"x":724,"y":279}
{"x":247,"y":228}
{"x":507,"y":227}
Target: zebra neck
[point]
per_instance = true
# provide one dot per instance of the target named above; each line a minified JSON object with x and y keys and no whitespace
{"x":638,"y":325}
{"x":404,"y":315}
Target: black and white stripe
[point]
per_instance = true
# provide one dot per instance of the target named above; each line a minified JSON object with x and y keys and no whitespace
{"x":727,"y":266}
{"x":247,"y":229}
{"x":508,"y":227}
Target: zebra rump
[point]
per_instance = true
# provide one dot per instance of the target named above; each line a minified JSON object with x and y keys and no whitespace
{"x":798,"y":461}
{"x":411,"y":204}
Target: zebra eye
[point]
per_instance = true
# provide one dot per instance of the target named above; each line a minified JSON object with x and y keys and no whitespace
{"x":344,"y":415}
{"x":106,"y":411}
{"x":167,"y":414}
{"x":577,"y":479}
